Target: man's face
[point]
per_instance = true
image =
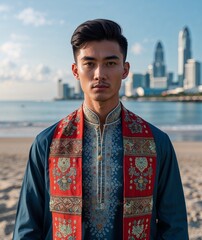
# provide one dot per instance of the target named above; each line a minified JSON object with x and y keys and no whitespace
{"x":100,"y":68}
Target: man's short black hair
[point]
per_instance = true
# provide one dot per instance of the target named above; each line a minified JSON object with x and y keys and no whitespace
{"x":98,"y":30}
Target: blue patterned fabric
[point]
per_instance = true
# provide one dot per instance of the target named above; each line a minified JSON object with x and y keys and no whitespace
{"x":102,"y":177}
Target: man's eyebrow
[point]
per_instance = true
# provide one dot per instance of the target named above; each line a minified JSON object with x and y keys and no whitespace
{"x":88,"y":58}
{"x":111,"y":57}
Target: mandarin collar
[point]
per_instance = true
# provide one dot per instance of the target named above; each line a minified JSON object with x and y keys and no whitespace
{"x":92,"y":117}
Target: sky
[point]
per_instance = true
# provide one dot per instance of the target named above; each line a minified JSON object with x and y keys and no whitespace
{"x":35,"y":49}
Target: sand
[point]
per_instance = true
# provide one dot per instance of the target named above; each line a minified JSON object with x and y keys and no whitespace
{"x":13,"y":158}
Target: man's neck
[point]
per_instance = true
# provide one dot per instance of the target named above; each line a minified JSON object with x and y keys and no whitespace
{"x":102,"y":109}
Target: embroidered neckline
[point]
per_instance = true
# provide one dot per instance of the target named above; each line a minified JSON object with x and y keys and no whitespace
{"x":92,"y":117}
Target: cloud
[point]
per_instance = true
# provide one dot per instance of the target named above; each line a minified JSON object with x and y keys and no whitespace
{"x":39,"y":73}
{"x":7,"y":70}
{"x":8,"y":64}
{"x":4,"y":8}
{"x":43,"y":73}
{"x":31,"y":17}
{"x":43,"y":69}
{"x":12,"y":50}
{"x":25,"y":73}
{"x":137,"y":48}
{"x":11,"y":71}
{"x":65,"y":75}
{"x":12,"y":67}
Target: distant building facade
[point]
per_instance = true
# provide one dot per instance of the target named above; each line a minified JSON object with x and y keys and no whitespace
{"x":159,"y":82}
{"x":184,"y":53}
{"x":64,"y":91}
{"x":170,"y":79}
{"x":68,"y":92}
{"x":192,"y":74}
{"x":78,"y":90}
{"x":135,"y":81}
{"x":122,"y":89}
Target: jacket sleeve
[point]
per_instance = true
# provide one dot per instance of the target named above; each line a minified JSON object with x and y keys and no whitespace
{"x":30,"y":211}
{"x":171,"y":209}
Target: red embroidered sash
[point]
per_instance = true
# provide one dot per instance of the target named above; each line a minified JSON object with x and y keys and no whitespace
{"x":65,"y":172}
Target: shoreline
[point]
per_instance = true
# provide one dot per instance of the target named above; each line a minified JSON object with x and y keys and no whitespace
{"x":14,"y":152}
{"x":168,"y":98}
{"x":181,"y":133}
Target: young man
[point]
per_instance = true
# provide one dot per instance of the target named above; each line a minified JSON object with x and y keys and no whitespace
{"x":102,"y":172}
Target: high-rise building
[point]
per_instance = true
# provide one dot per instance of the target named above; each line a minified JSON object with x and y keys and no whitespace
{"x":68,"y":92}
{"x":147,"y":80}
{"x":138,"y":80}
{"x":129,"y":85}
{"x":78,"y":90}
{"x":134,"y":82}
{"x":192,"y":74}
{"x":60,"y":89}
{"x":170,"y":77}
{"x":184,"y":53}
{"x":122,"y":89}
{"x":159,"y":69}
{"x":158,"y":77}
{"x":64,"y":91}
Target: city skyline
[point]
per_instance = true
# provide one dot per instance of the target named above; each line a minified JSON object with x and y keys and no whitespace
{"x":35,"y":37}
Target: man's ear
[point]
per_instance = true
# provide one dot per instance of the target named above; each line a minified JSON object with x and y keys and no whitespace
{"x":126,"y":70}
{"x":75,"y":71}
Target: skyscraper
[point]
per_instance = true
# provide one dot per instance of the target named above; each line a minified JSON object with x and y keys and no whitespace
{"x":158,"y":65}
{"x":60,"y":89}
{"x":64,"y":91}
{"x":158,"y":78}
{"x":135,"y":80}
{"x":192,"y":74}
{"x":184,"y":53}
{"x":78,"y":90}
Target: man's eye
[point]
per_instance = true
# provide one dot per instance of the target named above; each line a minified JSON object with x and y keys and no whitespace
{"x":89,"y":64}
{"x":109,"y":64}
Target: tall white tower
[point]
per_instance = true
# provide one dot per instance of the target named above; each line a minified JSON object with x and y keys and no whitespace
{"x":192,"y":74}
{"x":60,"y":89}
{"x":184,"y":53}
{"x":129,"y":86}
{"x":78,"y":90}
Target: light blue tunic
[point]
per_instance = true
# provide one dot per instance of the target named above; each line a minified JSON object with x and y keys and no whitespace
{"x":102,"y":176}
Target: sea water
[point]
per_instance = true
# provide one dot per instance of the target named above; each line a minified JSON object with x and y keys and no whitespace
{"x":180,"y":120}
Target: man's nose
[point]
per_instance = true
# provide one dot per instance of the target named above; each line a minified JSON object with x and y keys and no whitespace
{"x":100,"y":73}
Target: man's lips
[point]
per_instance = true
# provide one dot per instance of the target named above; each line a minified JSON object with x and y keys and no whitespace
{"x":100,"y":85}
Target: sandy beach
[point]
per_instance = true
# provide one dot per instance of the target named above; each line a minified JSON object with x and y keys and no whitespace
{"x":13,"y":158}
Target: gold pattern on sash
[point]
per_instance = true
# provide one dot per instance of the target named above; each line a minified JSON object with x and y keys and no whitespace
{"x":69,"y":205}
{"x":68,"y":147}
{"x":138,"y":206}
{"x":137,"y":146}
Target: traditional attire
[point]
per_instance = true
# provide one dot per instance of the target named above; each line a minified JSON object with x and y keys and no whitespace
{"x":118,"y":184}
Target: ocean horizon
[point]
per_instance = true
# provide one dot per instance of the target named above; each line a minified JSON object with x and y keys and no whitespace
{"x":182,"y":121}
